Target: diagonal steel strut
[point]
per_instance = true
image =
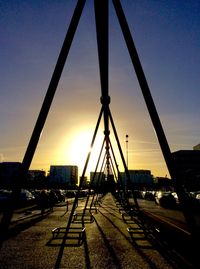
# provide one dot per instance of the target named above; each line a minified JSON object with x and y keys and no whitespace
{"x":155,"y":118}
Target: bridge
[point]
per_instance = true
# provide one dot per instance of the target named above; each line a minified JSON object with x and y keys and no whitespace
{"x":111,"y":239}
{"x":134,"y":222}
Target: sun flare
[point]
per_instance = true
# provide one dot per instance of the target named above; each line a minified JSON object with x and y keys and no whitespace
{"x":76,"y":148}
{"x":80,"y":148}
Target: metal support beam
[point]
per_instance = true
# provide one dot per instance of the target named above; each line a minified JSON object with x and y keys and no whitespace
{"x":123,"y":159}
{"x":101,"y":17}
{"x":120,"y":183}
{"x":52,"y":87}
{"x":154,"y":116}
{"x":93,"y":179}
{"x":21,"y":175}
{"x":77,"y":193}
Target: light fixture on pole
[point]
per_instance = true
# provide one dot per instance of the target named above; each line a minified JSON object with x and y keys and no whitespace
{"x":127,"y":151}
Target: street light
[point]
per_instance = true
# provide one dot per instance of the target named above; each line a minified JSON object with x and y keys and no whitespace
{"x":127,"y":151}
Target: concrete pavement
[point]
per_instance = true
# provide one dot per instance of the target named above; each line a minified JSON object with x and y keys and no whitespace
{"x":108,"y":244}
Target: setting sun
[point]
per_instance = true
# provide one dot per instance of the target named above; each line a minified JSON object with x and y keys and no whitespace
{"x":80,"y":147}
{"x":74,"y":150}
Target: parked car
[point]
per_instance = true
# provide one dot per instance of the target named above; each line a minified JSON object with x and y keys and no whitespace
{"x":60,"y":195}
{"x":70,"y":193}
{"x":193,"y":200}
{"x":197,"y":196}
{"x":165,"y":199}
{"x":149,"y":195}
{"x":5,"y":197}
{"x":26,"y":196}
{"x":176,"y":197}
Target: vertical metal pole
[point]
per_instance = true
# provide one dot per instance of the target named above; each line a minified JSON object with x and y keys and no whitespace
{"x":101,"y":17}
{"x":127,"y":150}
{"x":126,"y":179}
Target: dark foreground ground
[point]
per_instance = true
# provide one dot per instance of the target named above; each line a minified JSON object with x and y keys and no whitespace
{"x":107,"y":244}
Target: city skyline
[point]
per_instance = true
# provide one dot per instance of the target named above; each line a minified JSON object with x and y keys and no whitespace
{"x":167,"y":39}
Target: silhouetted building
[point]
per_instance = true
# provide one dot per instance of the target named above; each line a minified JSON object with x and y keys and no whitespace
{"x":188,"y":164}
{"x":64,"y":174}
{"x":98,"y":180}
{"x":197,"y":147}
{"x":85,"y":182}
{"x":164,"y":183}
{"x":37,"y":179}
{"x":139,"y":178}
{"x":8,"y":173}
{"x":35,"y":174}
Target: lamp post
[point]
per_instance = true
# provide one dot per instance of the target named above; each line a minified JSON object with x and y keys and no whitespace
{"x":127,"y":151}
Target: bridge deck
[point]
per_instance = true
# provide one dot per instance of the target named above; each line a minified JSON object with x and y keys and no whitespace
{"x":107,"y":244}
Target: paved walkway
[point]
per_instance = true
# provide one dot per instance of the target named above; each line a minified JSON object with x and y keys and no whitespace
{"x":107,"y":245}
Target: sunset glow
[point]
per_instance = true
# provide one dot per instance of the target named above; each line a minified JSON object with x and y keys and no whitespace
{"x":74,"y":151}
{"x":31,"y":41}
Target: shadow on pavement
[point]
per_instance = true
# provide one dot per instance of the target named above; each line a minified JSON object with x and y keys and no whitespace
{"x":141,"y":241}
{"x":109,"y":247}
{"x":72,"y":237}
{"x":135,"y":245}
{"x":19,"y":226}
{"x":87,"y":257}
{"x":62,"y":243}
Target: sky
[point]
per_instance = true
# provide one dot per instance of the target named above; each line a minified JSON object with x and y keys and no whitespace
{"x":167,"y":38}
